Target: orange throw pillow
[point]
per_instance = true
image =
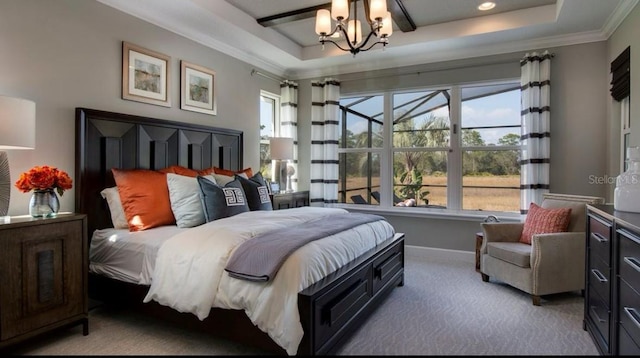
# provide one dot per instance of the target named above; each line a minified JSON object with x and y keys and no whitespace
{"x":145,"y":198}
{"x":176,"y":169}
{"x":544,"y":221}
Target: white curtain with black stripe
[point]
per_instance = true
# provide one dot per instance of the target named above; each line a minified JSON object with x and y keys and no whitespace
{"x":536,"y":132}
{"x":325,"y":111}
{"x":289,"y":123}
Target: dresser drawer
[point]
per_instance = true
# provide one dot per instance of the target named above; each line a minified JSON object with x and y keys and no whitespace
{"x":598,"y":312}
{"x":339,"y":305}
{"x":626,"y":345}
{"x":629,"y":258}
{"x":387,"y":267}
{"x":600,"y":238}
{"x":629,"y":310}
{"x":599,"y":277}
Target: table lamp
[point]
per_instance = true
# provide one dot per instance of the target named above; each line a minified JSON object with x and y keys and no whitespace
{"x":281,"y":149}
{"x":17,"y":131}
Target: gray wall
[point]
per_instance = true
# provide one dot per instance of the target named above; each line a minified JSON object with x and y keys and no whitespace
{"x":625,"y":35}
{"x":579,"y":92}
{"x":65,"y":54}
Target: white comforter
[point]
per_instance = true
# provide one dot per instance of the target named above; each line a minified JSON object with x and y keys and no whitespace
{"x":189,"y":271}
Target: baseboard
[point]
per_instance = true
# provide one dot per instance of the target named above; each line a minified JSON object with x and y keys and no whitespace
{"x":425,"y":253}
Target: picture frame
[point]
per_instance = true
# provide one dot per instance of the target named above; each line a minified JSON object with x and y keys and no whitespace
{"x":197,"y":89}
{"x":275,"y":187}
{"x":145,"y":75}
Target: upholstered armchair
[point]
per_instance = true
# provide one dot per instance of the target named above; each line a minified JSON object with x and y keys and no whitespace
{"x":552,"y":263}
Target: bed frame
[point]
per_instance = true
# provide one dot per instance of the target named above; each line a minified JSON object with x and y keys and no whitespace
{"x":330,"y":310}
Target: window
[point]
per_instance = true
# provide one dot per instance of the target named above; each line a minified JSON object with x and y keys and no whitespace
{"x":361,"y":137}
{"x":269,"y":126}
{"x":625,"y":133}
{"x":455,"y":147}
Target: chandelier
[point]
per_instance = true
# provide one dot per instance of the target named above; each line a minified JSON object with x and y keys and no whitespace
{"x":380,"y":26}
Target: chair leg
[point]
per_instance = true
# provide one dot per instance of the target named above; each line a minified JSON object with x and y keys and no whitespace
{"x":485,"y":277}
{"x":536,"y":300}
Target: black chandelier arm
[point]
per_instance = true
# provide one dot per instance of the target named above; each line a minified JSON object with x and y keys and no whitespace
{"x":384,"y":43}
{"x":353,"y":49}
{"x":338,"y":46}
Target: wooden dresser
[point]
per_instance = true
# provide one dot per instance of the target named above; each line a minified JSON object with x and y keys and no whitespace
{"x":43,"y":267}
{"x":612,"y":287}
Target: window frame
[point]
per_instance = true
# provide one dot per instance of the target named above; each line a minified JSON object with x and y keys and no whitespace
{"x":275,"y":119}
{"x":454,"y":157}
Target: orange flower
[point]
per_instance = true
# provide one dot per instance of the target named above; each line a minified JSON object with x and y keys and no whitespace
{"x":43,"y":178}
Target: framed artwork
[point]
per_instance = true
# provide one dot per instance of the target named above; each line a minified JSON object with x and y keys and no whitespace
{"x":145,"y":75}
{"x":197,"y":90}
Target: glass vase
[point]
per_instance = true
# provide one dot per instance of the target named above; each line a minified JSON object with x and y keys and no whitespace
{"x":44,"y":204}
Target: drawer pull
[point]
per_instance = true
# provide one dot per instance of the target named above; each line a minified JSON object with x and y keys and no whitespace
{"x":633,"y":315}
{"x":595,"y":314}
{"x":633,"y":262}
{"x":598,"y":237}
{"x":599,"y":276}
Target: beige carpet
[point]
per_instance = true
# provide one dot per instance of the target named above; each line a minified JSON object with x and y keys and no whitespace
{"x":444,"y":308}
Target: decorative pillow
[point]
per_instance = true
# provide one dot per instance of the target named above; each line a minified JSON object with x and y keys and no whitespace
{"x":222,"y":179}
{"x":145,"y":198}
{"x":184,"y":195}
{"x":221,"y":201}
{"x":247,"y":171}
{"x":112,"y":197}
{"x":176,"y":169}
{"x":543,"y":221}
{"x":256,"y":191}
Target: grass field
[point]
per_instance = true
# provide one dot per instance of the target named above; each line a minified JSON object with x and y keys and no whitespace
{"x":472,"y":198}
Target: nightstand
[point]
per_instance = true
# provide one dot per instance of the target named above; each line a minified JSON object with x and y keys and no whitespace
{"x":294,"y":199}
{"x":43,"y":266}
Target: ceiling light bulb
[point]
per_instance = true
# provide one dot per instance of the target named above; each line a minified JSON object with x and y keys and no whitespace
{"x":377,"y":9}
{"x":323,"y":22}
{"x":340,"y":9}
{"x":386,"y":28}
{"x":486,"y":6}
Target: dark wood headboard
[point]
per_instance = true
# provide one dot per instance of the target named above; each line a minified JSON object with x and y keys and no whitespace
{"x":106,"y":140}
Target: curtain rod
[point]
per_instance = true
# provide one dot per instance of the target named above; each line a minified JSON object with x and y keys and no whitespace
{"x":255,"y":72}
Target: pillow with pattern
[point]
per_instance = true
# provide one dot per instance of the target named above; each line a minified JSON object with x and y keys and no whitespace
{"x":256,"y":191}
{"x":544,"y":221}
{"x":221,"y":201}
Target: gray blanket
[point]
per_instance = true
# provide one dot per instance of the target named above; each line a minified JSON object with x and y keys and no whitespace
{"x":260,"y":258}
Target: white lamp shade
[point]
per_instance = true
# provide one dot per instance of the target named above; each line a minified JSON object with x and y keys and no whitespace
{"x":340,"y":9}
{"x":387,"y":25}
{"x":354,"y":30}
{"x":377,"y":9}
{"x":17,"y":123}
{"x":323,"y":22}
{"x":281,"y":148}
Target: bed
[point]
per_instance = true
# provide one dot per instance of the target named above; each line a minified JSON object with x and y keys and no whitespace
{"x":328,"y":308}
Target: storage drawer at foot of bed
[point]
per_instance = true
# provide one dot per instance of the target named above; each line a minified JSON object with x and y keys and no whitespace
{"x":387,"y":266}
{"x":334,"y":308}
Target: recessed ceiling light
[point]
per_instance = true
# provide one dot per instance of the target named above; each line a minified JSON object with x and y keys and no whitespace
{"x":486,"y":6}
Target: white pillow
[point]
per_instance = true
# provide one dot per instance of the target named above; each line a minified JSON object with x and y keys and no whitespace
{"x":184,"y":195}
{"x":118,"y":219}
{"x":223,"y":180}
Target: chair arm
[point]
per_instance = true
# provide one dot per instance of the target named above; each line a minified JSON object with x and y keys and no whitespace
{"x":494,"y":232}
{"x":558,"y":255}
